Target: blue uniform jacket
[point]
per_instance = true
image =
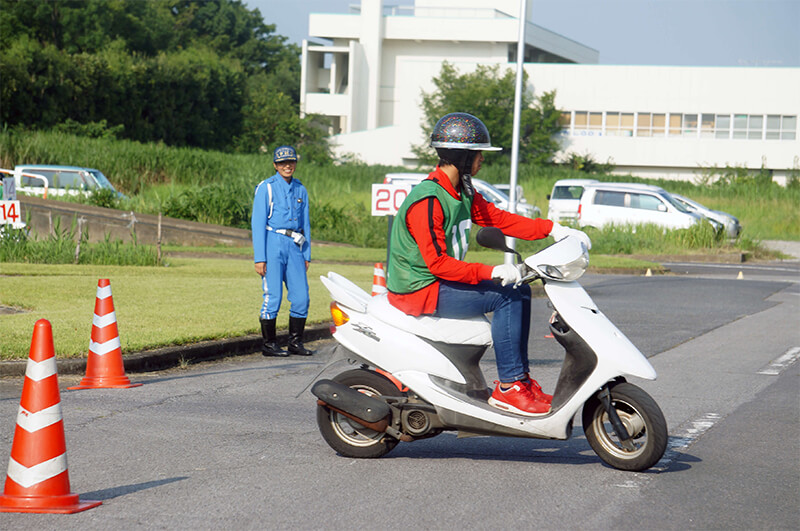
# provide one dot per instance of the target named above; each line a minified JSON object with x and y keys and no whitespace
{"x":289,"y":211}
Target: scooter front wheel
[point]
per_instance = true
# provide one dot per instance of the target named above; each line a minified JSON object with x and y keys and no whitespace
{"x":347,"y":436}
{"x":642,"y":419}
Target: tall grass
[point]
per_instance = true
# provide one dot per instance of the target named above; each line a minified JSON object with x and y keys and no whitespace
{"x":218,"y":187}
{"x":16,"y":245}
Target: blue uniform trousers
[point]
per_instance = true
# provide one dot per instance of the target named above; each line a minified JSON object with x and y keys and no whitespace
{"x":285,"y":265}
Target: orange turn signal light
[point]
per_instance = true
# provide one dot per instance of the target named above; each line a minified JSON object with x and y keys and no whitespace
{"x":339,"y":317}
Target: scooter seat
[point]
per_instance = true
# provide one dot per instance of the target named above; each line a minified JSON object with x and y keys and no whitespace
{"x":472,"y":331}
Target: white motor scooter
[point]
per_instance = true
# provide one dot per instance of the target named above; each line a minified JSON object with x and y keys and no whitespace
{"x":420,"y":376}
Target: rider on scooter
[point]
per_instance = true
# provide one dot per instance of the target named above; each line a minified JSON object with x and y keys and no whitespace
{"x":426,"y":273}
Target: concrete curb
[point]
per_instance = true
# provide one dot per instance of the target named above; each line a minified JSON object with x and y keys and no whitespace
{"x":171,"y":357}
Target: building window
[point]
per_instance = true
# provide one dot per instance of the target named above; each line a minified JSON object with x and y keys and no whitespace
{"x":612,"y":123}
{"x":773,"y":127}
{"x":755,"y":127}
{"x":650,"y":124}
{"x":659,"y":122}
{"x":740,"y":126}
{"x":781,"y":127}
{"x":589,"y":123}
{"x":706,"y":125}
{"x":675,"y":124}
{"x":581,"y":120}
{"x":723,"y":126}
{"x":689,"y":125}
{"x":595,"y":121}
{"x":788,"y":127}
{"x":565,"y":120}
{"x":644,"y":126}
{"x":619,"y":123}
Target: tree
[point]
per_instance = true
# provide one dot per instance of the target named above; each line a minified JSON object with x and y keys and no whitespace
{"x":488,"y":94}
{"x":201,"y":73}
{"x":271,"y":119}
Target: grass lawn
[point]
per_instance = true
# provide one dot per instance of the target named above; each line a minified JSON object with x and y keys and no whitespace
{"x":192,"y":299}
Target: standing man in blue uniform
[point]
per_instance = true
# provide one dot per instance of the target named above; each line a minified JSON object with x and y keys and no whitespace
{"x":282,"y":251}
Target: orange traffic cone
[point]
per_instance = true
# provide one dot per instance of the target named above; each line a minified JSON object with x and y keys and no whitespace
{"x":378,"y":280}
{"x":104,"y":368}
{"x":38,"y":479}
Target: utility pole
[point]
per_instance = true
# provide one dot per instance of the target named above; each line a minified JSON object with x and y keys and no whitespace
{"x":512,"y":192}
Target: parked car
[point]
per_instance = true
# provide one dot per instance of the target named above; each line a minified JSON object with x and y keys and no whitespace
{"x":565,"y":198}
{"x":633,"y":204}
{"x":506,"y":189}
{"x":730,"y":222}
{"x":488,"y":191}
{"x":40,"y":179}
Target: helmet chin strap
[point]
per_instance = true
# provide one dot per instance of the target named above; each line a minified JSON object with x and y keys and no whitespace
{"x":466,"y":185}
{"x":466,"y":178}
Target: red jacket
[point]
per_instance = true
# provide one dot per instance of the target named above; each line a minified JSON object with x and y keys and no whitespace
{"x":424,"y":227}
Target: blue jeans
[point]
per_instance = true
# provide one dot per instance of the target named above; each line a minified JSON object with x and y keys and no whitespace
{"x":510,"y":323}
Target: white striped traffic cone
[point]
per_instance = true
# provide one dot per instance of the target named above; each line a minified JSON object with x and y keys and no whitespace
{"x":38,"y":479}
{"x":104,"y":368}
{"x":378,"y":280}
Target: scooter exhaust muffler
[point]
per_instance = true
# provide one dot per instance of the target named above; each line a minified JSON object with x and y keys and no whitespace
{"x":364,"y":409}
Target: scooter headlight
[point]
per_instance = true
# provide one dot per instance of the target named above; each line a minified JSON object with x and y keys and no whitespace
{"x":570,"y":271}
{"x":552,"y":272}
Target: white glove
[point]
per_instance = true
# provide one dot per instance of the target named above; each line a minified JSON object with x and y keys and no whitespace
{"x":560,"y":232}
{"x":507,"y":274}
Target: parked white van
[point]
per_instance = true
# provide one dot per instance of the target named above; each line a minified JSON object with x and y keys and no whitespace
{"x":50,"y":180}
{"x":632,"y":204}
{"x":565,"y":198}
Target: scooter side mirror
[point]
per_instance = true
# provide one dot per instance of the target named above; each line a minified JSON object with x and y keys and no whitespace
{"x":492,"y":238}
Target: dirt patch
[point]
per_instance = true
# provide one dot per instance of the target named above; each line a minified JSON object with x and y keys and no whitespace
{"x":8,"y":310}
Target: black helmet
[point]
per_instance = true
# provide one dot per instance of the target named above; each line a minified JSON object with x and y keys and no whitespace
{"x":459,"y":130}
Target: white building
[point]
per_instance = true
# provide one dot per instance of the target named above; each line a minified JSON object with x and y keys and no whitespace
{"x":650,"y":121}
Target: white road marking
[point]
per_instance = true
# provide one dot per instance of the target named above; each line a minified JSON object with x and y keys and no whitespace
{"x":684,"y":438}
{"x":778,"y":365}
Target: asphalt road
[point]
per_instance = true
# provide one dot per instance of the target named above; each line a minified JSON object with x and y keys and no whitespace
{"x":228,"y":445}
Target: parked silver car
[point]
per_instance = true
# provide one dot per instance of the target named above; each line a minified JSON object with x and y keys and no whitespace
{"x":730,"y":222}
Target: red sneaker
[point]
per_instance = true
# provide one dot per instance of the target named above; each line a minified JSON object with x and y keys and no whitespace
{"x":536,"y":389}
{"x":518,"y":399}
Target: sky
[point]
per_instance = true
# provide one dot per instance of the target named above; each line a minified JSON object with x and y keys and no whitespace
{"x":628,"y":32}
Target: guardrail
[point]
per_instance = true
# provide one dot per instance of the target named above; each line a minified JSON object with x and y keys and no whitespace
{"x":34,"y":175}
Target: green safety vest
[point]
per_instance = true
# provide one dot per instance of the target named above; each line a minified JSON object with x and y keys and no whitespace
{"x":406,"y":270}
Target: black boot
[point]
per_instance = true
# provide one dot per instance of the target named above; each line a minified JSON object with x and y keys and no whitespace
{"x":296,"y":326}
{"x":270,"y":346}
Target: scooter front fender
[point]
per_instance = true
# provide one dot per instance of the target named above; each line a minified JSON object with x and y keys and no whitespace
{"x":617,"y":356}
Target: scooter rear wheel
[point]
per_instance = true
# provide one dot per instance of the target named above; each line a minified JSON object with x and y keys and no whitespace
{"x":641,"y":417}
{"x":347,"y":436}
